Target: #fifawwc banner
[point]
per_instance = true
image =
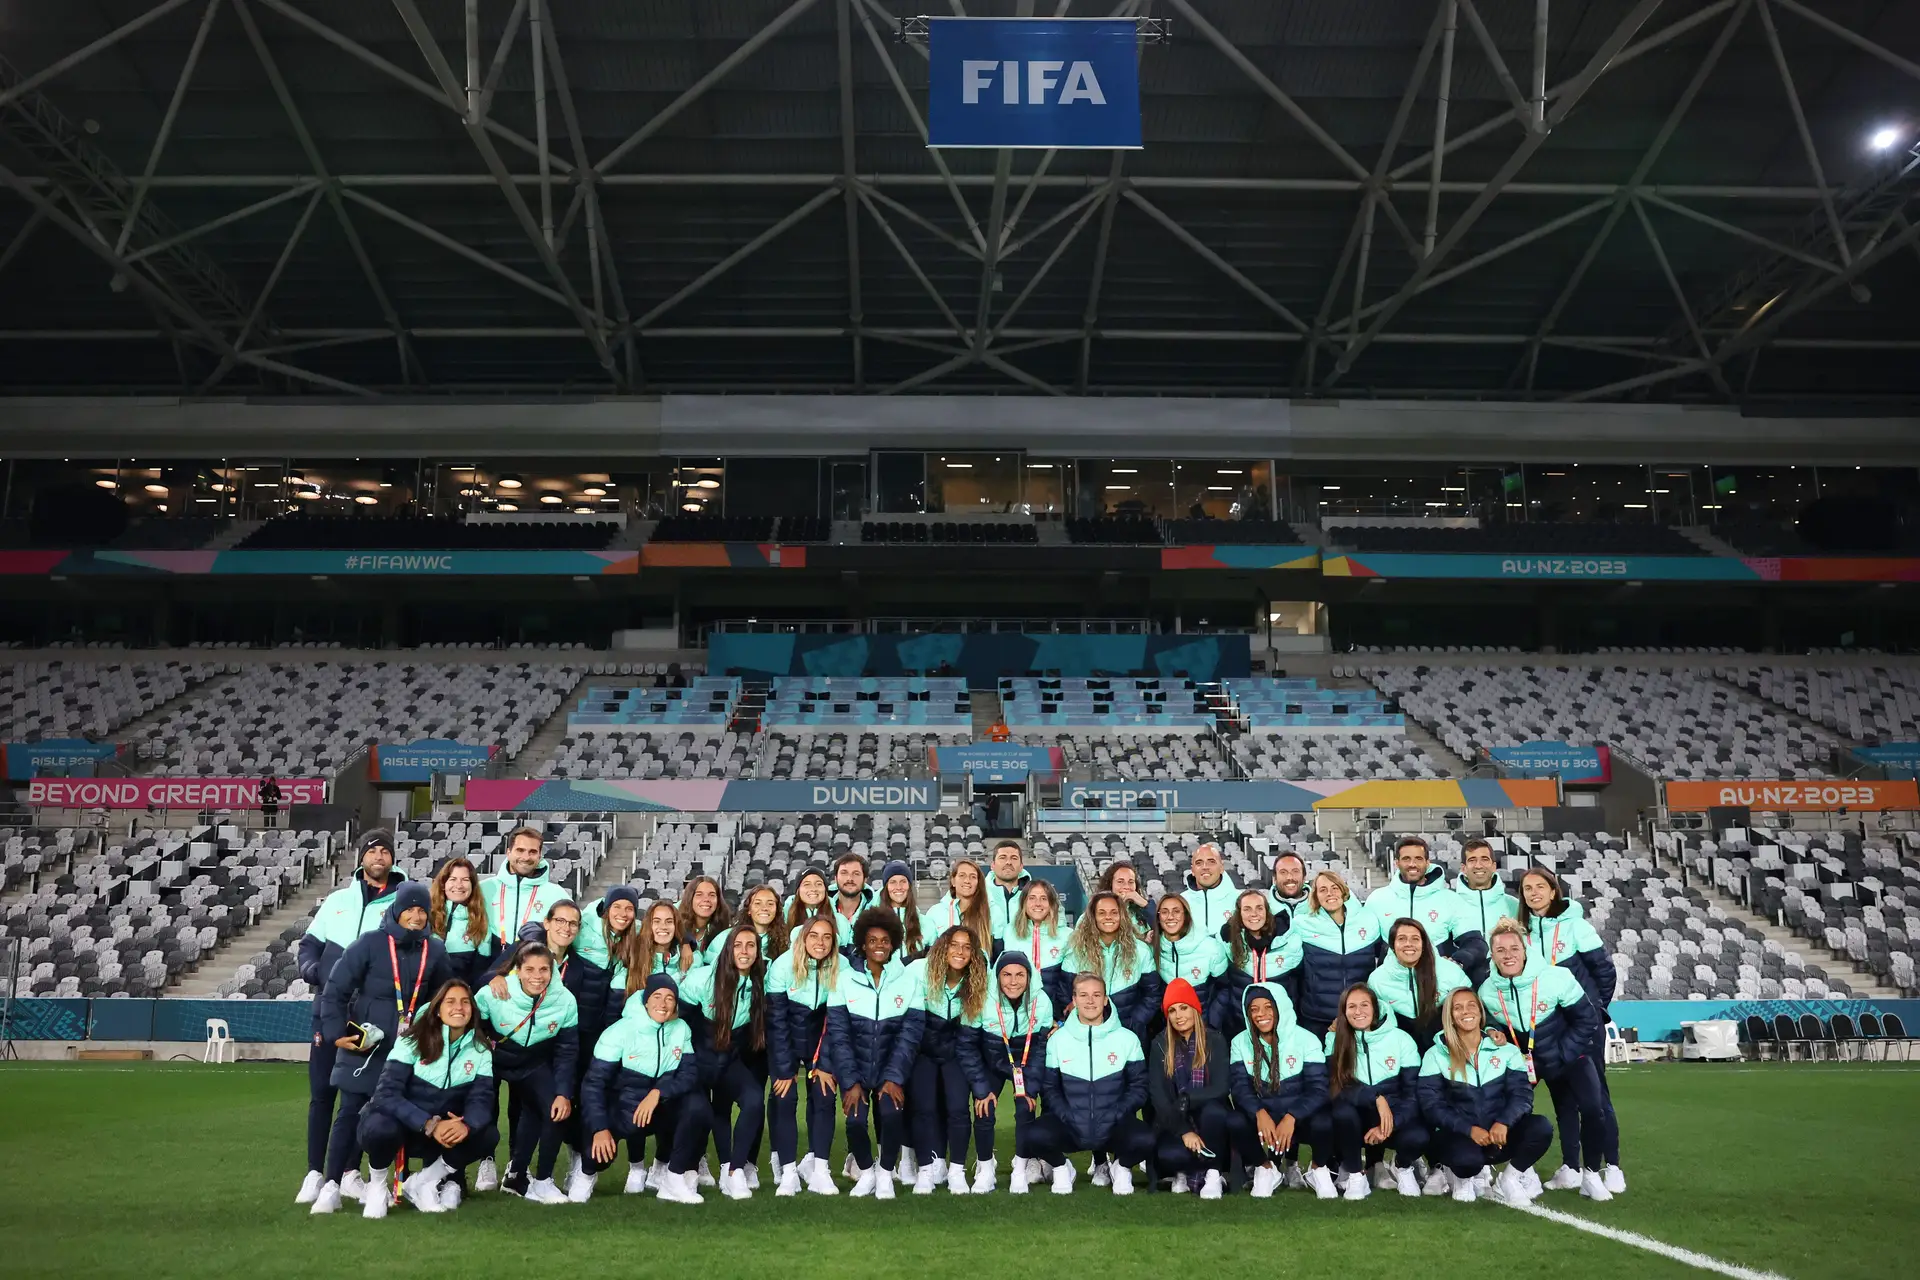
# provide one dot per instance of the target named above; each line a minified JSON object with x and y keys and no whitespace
{"x":1033,"y":82}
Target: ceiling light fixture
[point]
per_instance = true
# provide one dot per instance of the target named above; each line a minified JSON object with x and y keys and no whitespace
{"x":511,"y":481}
{"x":1884,"y":138}
{"x":691,"y":506}
{"x":594,"y":491}
{"x":366,"y":499}
{"x":551,"y":499}
{"x":507,"y":506}
{"x":154,"y":486}
{"x":706,"y":482}
{"x":107,"y":482}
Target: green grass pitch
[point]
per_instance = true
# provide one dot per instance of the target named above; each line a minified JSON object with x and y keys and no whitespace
{"x":151,"y":1170}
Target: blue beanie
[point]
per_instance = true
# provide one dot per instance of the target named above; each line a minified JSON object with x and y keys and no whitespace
{"x":895,"y":868}
{"x":659,"y":982}
{"x":412,"y":894}
{"x":620,"y":893}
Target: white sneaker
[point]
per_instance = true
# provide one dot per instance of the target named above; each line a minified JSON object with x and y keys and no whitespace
{"x":422,"y":1190}
{"x":1213,"y":1187}
{"x":487,"y":1176}
{"x":657,"y":1175}
{"x":1511,"y":1188}
{"x":1483,"y":1180}
{"x":1567,"y":1179}
{"x":353,"y":1186}
{"x":1358,"y":1188}
{"x":1437,"y":1182}
{"x":986,"y":1176}
{"x":580,"y":1187}
{"x":1266,"y":1180}
{"x":636,"y":1180}
{"x":1038,"y":1170}
{"x":327,"y":1199}
{"x":1122,"y":1180}
{"x":310,"y":1186}
{"x":1296,"y":1180}
{"x":734,"y":1185}
{"x":957,"y":1180}
{"x":578,"y":1167}
{"x":1593,"y":1186}
{"x":752,"y":1175}
{"x":451,"y":1193}
{"x":1017,"y":1181}
{"x":848,"y":1169}
{"x":680,"y":1188}
{"x":776,"y":1164}
{"x":939,"y":1166}
{"x":1531,"y":1178}
{"x":907,"y":1167}
{"x":789,"y":1181}
{"x":1383,"y":1177}
{"x":1465,"y":1190}
{"x":542,"y":1191}
{"x":1063,"y":1179}
{"x":863,"y":1185}
{"x":882,"y":1185}
{"x":1321,"y":1181}
{"x":1179,"y":1186}
{"x":1616,"y":1181}
{"x":819,"y":1180}
{"x":1102,"y":1173}
{"x":1405,"y":1183}
{"x":924,"y":1184}
{"x":375,"y":1199}
{"x":703,"y":1175}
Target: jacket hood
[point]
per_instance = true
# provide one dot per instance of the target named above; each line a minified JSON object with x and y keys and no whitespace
{"x":1569,"y":910}
{"x":536,"y":876}
{"x":1225,"y":882}
{"x":395,"y":878}
{"x":1535,"y":964}
{"x":1283,"y":1007}
{"x":1436,"y":874}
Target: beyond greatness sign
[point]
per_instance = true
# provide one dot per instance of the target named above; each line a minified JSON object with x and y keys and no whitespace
{"x":168,"y":793}
{"x":1774,"y":797}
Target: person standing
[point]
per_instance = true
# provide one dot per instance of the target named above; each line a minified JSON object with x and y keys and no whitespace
{"x":852,"y":895}
{"x":800,"y":986}
{"x":1288,"y":895}
{"x":1183,"y":949}
{"x":1419,"y":891}
{"x":354,"y":909}
{"x":536,"y":1030}
{"x":953,"y":980}
{"x":269,"y":802}
{"x":1210,"y":894}
{"x":460,"y":920}
{"x":521,"y":894}
{"x":1008,"y":1045}
{"x":1484,"y":901}
{"x":1334,"y":945}
{"x":1039,"y":933}
{"x":1122,"y":880}
{"x":731,"y":1043}
{"x":1412,"y":982}
{"x":1010,"y":876}
{"x":874,"y":1020}
{"x":1104,"y":943}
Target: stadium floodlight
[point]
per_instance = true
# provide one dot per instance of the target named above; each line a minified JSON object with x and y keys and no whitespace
{"x":107,"y":482}
{"x":1885,"y":138}
{"x":691,"y":506}
{"x":551,"y":499}
{"x":511,"y":481}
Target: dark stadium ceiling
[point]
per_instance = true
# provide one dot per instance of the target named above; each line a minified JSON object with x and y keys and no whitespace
{"x":740,"y":199}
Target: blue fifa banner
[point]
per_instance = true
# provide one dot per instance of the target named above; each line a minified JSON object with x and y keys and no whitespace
{"x":997,"y":761}
{"x":421,"y":761}
{"x":1033,"y":82}
{"x":1900,"y":757}
{"x":1556,"y":759}
{"x":68,"y":757}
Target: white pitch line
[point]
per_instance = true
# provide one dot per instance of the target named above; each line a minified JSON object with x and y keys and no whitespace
{"x":1633,"y":1239}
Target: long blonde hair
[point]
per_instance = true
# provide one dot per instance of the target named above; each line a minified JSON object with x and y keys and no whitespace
{"x":1199,"y":1037}
{"x":829,"y":968}
{"x":1313,"y":894}
{"x":1458,"y":1054}
{"x":973,"y":980}
{"x":1086,"y":938}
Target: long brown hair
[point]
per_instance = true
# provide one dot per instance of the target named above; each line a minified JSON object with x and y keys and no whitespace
{"x":1265,"y":1044}
{"x":1086,"y":938}
{"x":1426,"y":986}
{"x":1239,"y":937}
{"x":798,"y":911}
{"x":1458,"y":1055}
{"x":978,"y":916}
{"x":1022,"y":923}
{"x":644,"y":950}
{"x":477,"y":928}
{"x":726,"y":990}
{"x":1159,"y":932}
{"x":1555,"y":905}
{"x":973,"y":980}
{"x":775,"y":943}
{"x":428,"y":1033}
{"x":721,"y":920}
{"x":1340,"y":1067}
{"x":1199,"y":1037}
{"x":912,"y":940}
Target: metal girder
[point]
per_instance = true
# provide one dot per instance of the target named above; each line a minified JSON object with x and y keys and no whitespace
{"x":1092,"y":311}
{"x":738,"y":256}
{"x":1442,"y":103}
{"x":1739,"y":233}
{"x":1040,"y":272}
{"x":29,"y":83}
{"x":919,"y":122}
{"x":913,"y":266}
{"x":266,"y":291}
{"x":1679,"y":297}
{"x":224,"y":220}
{"x":849,"y":126}
{"x":1499,"y":64}
{"x":1800,"y":126}
{"x":515,"y":20}
{"x":1852,"y":37}
{"x":166,"y":121}
{"x":590,"y":325}
{"x":1608,"y":50}
{"x":1219,"y":263}
{"x":34,"y":218}
{"x":938,"y":232}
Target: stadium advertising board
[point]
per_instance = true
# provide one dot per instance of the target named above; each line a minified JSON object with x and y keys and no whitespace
{"x":533,"y":795}
{"x":1784,"y":796}
{"x":1892,"y":755}
{"x":55,"y":755}
{"x":420,"y":761}
{"x":1239,"y":557}
{"x":1033,"y":82}
{"x":1589,"y":766}
{"x":998,"y":761}
{"x":979,"y":658}
{"x":346,"y":564}
{"x":1301,"y":797}
{"x":168,"y":793}
{"x":1624,"y":568}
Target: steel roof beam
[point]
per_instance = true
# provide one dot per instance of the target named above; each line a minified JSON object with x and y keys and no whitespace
{"x":738,"y":256}
{"x":80,"y":55}
{"x":1800,"y":127}
{"x":849,"y":186}
{"x":919,"y":122}
{"x":1680,"y":298}
{"x":166,"y":122}
{"x":1219,"y":263}
{"x":266,"y":291}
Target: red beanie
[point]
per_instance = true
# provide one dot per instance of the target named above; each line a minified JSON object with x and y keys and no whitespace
{"x":1180,"y":991}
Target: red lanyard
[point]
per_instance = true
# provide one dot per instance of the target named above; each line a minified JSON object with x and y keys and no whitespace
{"x":1036,"y":948}
{"x":419,"y":976}
{"x":531,"y":1014}
{"x":1000,"y":1015}
{"x":1533,"y":1012}
{"x":500,"y":912}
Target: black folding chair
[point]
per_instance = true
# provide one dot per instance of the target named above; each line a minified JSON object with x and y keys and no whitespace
{"x":1760,"y":1036}
{"x":1815,"y":1033}
{"x":1896,"y":1031}
{"x":1871,"y":1037}
{"x":1845,"y":1044}
{"x":1788,"y":1035}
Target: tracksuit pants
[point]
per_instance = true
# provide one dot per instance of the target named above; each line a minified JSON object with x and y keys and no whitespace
{"x":879,"y":1111}
{"x":1597,"y":1055}
{"x":1316,"y":1131}
{"x":783,"y":1119}
{"x":320,"y":1099}
{"x":739,"y":1107}
{"x":940,"y":1102}
{"x":1214,"y":1123}
{"x":1527,"y":1140}
{"x":1584,"y":1116}
{"x":1409,"y":1138}
{"x":679,"y":1133}
{"x":343,"y":1143}
{"x":531,"y":1091}
{"x":1129,"y":1141}
{"x":383,"y":1138}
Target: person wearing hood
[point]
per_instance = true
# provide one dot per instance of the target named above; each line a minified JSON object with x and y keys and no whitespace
{"x":731,"y":1043}
{"x":874,"y":1021}
{"x":1484,"y":901}
{"x":1105,"y":943}
{"x":1184,"y":949}
{"x":1558,"y":933}
{"x":897,"y":896}
{"x":1039,"y":932}
{"x":1278,"y":1082}
{"x":1187,"y":1078}
{"x":372,"y":996}
{"x":347,"y":913}
{"x":643,"y":1084}
{"x":1373,"y":1072}
{"x":521,"y":893}
{"x":811,"y":897}
{"x":1093,"y":1084}
{"x":435,"y":1099}
{"x":1209,"y":893}
{"x":1006,"y":1043}
{"x":460,"y":920}
{"x":1287,"y":896}
{"x":1542,"y":1010}
{"x":1419,"y":891}
{"x":1412,"y":982}
{"x":800,"y":985}
{"x":1334,"y":945}
{"x":966,"y":904}
{"x":1476,"y":1095}
{"x":536,"y":1031}
{"x":1122,"y":880}
{"x":1010,"y":877}
{"x":953,"y":982}
{"x":1252,"y":945}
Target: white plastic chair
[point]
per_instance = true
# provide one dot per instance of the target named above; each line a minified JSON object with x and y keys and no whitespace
{"x":220,"y":1043}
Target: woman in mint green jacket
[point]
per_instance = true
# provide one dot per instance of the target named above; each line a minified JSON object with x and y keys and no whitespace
{"x":759,"y":907}
{"x":966,"y":903}
{"x":1373,"y":1069}
{"x":800,"y":985}
{"x":1181,"y":949}
{"x":731,"y":1048}
{"x":1414,"y":980}
{"x":1039,"y":931}
{"x":1105,"y":943}
{"x":535,"y":1025}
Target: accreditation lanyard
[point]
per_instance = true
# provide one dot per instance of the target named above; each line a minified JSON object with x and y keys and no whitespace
{"x":1019,"y":1068}
{"x":526,"y":913}
{"x":405,"y":1011}
{"x":531,"y":1015}
{"x":1533,"y":1015}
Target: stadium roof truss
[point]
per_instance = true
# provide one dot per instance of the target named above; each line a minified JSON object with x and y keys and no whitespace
{"x":1530,"y":199}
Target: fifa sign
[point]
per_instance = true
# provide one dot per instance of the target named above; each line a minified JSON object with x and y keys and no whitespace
{"x":1033,"y":82}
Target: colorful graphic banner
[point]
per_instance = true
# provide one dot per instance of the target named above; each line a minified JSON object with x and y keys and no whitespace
{"x":1556,"y":568}
{"x":1033,"y":82}
{"x":169,"y":793}
{"x":722,"y":555}
{"x":1658,"y":1020}
{"x":998,"y":761}
{"x":1240,"y":557}
{"x":533,"y":795}
{"x":1303,"y":797}
{"x":1587,"y":766}
{"x":420,"y":761}
{"x":1776,"y":797}
{"x":982,"y":659}
{"x":445,"y":564}
{"x":54,"y":755}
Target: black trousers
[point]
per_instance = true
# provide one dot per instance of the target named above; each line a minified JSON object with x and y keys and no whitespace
{"x":783,"y":1119}
{"x":1584,"y":1115}
{"x":940,"y":1102}
{"x":879,"y":1111}
{"x":679,"y":1133}
{"x":1129,"y":1140}
{"x":320,"y":1098}
{"x":383,"y":1139}
{"x":1214,"y":1123}
{"x":1527,"y":1140}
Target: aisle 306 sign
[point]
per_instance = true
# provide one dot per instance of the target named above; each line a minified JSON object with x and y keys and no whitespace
{"x":1033,"y":82}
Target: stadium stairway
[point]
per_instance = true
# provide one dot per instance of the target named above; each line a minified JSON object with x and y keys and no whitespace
{"x":986,"y":712}
{"x":1700,"y":537}
{"x":545,"y":742}
{"x":137,"y":730}
{"x":217,"y":966}
{"x":620,"y":857}
{"x":232,"y":535}
{"x":1864,"y":984}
